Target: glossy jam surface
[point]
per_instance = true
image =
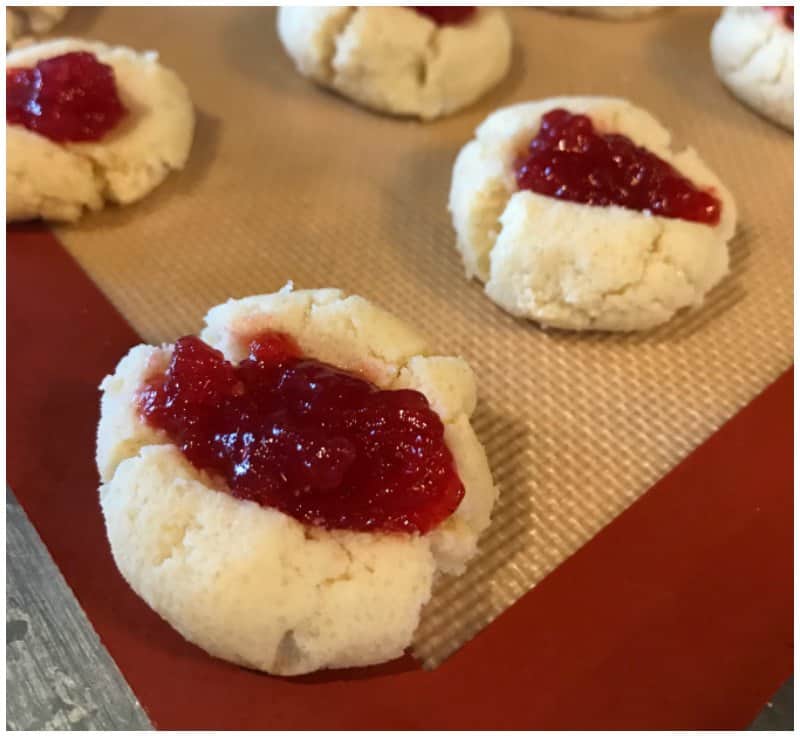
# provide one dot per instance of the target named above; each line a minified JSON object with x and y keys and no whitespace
{"x":447,"y":15}
{"x":72,"y":97}
{"x":324,"y":446}
{"x":569,"y":160}
{"x":785,"y":12}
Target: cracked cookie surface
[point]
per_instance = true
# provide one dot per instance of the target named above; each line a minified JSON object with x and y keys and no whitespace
{"x":575,"y":266}
{"x":394,"y":60}
{"x":61,"y":181}
{"x":248,"y":583}
{"x":753,"y":53}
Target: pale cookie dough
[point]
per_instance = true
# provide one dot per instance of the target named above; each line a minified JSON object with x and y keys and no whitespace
{"x":753,"y":53}
{"x":570,"y":265}
{"x":611,"y":12}
{"x":32,"y":20}
{"x":60,"y":181}
{"x":250,"y":584}
{"x":394,"y":60}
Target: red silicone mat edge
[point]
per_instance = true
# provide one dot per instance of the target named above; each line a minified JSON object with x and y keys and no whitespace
{"x":679,"y":614}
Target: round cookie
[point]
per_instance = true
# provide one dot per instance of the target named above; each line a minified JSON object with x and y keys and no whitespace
{"x":249,"y":583}
{"x":611,"y":12}
{"x":570,"y":265}
{"x":33,"y":20}
{"x":60,"y":181}
{"x":753,"y":53}
{"x":396,"y":60}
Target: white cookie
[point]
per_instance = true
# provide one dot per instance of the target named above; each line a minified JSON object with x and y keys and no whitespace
{"x":753,"y":53}
{"x":570,"y":265}
{"x":611,"y":12}
{"x":250,"y":584}
{"x":33,"y":20}
{"x":59,"y":181}
{"x":394,"y":60}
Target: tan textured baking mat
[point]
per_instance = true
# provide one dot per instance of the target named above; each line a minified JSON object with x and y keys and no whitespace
{"x":287,"y":181}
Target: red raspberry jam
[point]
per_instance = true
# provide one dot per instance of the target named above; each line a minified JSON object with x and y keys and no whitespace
{"x":785,"y":12}
{"x":319,"y":444}
{"x":569,"y":160}
{"x":447,"y":15}
{"x":72,"y":97}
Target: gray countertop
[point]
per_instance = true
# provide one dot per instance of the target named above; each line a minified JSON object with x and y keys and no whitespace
{"x":59,"y":675}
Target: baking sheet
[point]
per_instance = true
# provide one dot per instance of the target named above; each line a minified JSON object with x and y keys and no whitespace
{"x":689,"y":623}
{"x":287,"y":181}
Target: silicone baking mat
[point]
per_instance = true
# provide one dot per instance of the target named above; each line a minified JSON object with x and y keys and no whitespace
{"x":678,"y":614}
{"x":287,"y":181}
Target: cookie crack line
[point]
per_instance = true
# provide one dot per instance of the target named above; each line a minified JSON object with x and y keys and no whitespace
{"x":430,"y":56}
{"x":332,"y":39}
{"x":667,"y":259}
{"x":344,"y":577}
{"x":775,"y":79}
{"x":178,"y":545}
{"x":758,"y":47}
{"x":392,"y":368}
{"x":99,"y":174}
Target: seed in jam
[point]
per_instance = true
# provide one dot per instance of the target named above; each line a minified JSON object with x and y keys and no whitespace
{"x":785,"y":12}
{"x":71,"y":97}
{"x":446,"y":15}
{"x":569,"y":160}
{"x":322,"y":445}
